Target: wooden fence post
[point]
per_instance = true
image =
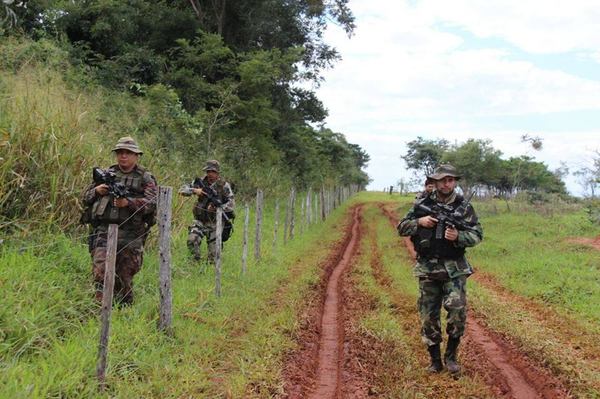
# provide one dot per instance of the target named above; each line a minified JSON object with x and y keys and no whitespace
{"x":245,"y":243}
{"x":259,"y":210}
{"x":301,"y":220}
{"x":286,"y":221}
{"x":107,"y":298}
{"x":218,"y":248}
{"x":165,"y":195}
{"x":276,"y":225}
{"x":292,"y":212}
{"x":308,"y":208}
{"x":322,"y":194}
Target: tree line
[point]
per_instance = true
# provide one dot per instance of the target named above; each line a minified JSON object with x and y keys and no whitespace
{"x":483,"y":168}
{"x":229,"y":79}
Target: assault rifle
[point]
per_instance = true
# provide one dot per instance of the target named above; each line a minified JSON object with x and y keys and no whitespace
{"x":115,"y":188}
{"x":209,"y":192}
{"x":446,"y":216}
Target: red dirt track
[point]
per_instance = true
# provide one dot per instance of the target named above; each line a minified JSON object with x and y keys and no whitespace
{"x":315,"y":371}
{"x":331,"y":356}
{"x":330,"y":344}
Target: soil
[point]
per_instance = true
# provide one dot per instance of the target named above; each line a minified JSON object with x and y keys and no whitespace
{"x":315,"y":369}
{"x":592,"y":242}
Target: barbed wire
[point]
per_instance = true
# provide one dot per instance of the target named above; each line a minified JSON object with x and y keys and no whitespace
{"x":151,"y":201}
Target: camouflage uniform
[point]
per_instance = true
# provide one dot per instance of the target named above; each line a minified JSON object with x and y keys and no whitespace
{"x":205,"y":224}
{"x":134,"y":222}
{"x":442,"y":270}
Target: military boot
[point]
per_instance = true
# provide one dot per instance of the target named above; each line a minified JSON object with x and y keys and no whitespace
{"x":450,"y":355}
{"x":436,"y":359}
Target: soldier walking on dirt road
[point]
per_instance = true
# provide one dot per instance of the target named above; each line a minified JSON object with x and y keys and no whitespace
{"x":441,"y":267}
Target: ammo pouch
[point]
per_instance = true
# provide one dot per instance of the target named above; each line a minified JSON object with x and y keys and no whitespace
{"x":427,"y":246}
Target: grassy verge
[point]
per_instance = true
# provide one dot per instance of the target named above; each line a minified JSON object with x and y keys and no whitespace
{"x":231,"y":346}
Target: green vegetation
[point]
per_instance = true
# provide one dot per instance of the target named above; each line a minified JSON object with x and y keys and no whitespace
{"x":231,"y":346}
{"x":189,"y":80}
{"x":483,"y":168}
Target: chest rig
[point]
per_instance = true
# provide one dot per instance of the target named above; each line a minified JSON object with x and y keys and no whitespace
{"x":103,"y":209}
{"x":424,"y":241}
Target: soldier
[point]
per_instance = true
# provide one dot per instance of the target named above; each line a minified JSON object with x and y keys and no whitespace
{"x":428,"y":189}
{"x":135,"y":213}
{"x":441,"y":267}
{"x":205,"y":224}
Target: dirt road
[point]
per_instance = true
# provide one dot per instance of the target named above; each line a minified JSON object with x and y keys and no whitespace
{"x":335,"y":361}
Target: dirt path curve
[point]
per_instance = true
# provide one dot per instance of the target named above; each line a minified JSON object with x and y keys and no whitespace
{"x":502,"y":365}
{"x":332,"y":333}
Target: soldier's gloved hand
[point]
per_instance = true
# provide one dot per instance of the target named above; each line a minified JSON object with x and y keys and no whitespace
{"x":101,"y":190}
{"x":427,"y":221}
{"x":121,"y":202}
{"x":198,"y":191}
{"x":451,"y":234}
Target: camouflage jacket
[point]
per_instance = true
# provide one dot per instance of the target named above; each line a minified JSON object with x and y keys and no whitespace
{"x":134,"y":219}
{"x":443,"y":268}
{"x":201,"y":208}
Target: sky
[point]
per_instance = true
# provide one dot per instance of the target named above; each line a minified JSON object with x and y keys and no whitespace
{"x":464,"y":69}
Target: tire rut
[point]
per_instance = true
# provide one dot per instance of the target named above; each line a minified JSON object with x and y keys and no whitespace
{"x":317,"y":371}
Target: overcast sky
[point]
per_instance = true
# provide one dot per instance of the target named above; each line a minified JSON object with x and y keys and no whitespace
{"x":468,"y":69}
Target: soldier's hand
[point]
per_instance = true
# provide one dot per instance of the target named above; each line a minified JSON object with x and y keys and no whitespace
{"x":211,"y":208}
{"x":101,"y":190}
{"x":198,"y":191}
{"x":427,"y":221}
{"x":451,"y":234}
{"x":121,"y":202}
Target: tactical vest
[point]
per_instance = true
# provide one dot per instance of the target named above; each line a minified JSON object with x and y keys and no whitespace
{"x":103,"y":210}
{"x":425,"y":243}
{"x":200,"y":210}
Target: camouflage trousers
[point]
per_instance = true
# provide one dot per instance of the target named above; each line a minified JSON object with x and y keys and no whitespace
{"x":128,"y":263}
{"x":434,"y":294}
{"x":199,"y":230}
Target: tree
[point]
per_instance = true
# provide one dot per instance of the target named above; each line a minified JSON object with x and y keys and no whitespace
{"x":425,"y":155}
{"x":477,"y":161}
{"x":589,"y":176}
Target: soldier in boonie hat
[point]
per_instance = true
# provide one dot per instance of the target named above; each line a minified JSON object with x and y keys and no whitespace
{"x":210,"y":189}
{"x":132,"y":207}
{"x":444,"y":170}
{"x":213,"y":165}
{"x":128,"y":143}
{"x":441,"y":266}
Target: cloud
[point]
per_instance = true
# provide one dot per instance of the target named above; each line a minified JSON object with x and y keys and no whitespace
{"x":403,"y":75}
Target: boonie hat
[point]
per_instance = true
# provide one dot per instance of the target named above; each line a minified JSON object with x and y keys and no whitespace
{"x":443,"y":171}
{"x":127,"y":143}
{"x":213,"y":165}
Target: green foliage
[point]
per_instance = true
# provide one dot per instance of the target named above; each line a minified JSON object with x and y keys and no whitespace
{"x":481,"y":166}
{"x":56,"y":123}
{"x":425,"y":155}
{"x":221,"y":78}
{"x":592,"y":208}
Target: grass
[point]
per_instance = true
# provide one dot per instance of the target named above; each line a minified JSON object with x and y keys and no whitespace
{"x":231,"y":346}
